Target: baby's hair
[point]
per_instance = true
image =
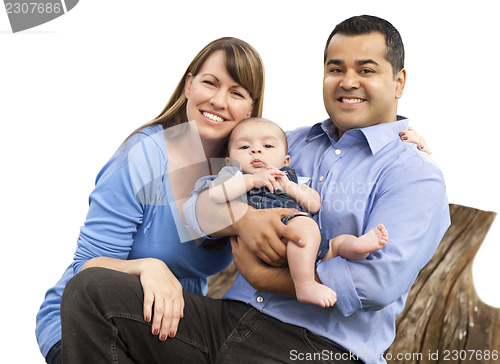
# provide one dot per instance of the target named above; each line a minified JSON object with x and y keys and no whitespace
{"x":262,"y":120}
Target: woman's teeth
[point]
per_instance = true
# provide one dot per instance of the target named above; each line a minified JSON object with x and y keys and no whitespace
{"x":213,"y":117}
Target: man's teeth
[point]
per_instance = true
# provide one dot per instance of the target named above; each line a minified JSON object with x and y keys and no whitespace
{"x":352,"y":101}
{"x":212,"y":117}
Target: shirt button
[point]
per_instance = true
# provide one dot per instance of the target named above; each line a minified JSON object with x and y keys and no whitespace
{"x":260,"y":299}
{"x":337,"y":151}
{"x":321,"y":178}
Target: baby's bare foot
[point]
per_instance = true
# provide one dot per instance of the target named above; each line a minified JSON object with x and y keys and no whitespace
{"x":373,"y":240}
{"x":315,"y":293}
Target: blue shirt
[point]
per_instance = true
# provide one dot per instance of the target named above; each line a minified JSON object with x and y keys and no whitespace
{"x":132,"y":214}
{"x":367,"y":177}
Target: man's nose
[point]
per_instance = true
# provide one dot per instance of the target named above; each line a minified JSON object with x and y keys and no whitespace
{"x":350,"y":80}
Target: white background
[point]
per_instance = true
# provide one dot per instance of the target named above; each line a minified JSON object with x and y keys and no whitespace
{"x":72,"y":89}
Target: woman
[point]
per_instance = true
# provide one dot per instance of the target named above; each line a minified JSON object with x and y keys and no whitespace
{"x":133,"y":224}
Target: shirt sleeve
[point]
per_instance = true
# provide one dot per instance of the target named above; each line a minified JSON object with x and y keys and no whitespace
{"x":127,"y":184}
{"x":411,"y":202}
{"x":189,"y":207}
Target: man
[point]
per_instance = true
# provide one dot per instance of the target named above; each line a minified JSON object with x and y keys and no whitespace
{"x":366,"y":176}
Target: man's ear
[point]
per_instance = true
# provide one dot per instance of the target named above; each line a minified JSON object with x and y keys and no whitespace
{"x":287,"y":161}
{"x":187,"y":84}
{"x":400,"y":83}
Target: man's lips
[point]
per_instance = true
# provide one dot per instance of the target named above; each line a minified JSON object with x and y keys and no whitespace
{"x":213,"y":116}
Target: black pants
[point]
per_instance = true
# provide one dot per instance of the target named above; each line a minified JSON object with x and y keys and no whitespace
{"x":102,"y":322}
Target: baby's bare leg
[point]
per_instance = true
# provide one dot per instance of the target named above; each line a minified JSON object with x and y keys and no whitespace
{"x":351,"y":247}
{"x":301,"y":262}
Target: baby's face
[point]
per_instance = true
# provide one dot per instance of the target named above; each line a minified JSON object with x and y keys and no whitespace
{"x":256,"y":145}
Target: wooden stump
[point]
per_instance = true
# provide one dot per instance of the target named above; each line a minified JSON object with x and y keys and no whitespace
{"x":218,"y":284}
{"x":444,"y":321}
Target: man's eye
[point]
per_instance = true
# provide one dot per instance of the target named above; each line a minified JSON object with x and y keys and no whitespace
{"x":335,"y":70}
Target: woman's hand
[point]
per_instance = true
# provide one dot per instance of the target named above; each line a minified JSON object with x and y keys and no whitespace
{"x":262,"y":231}
{"x":163,"y":292}
{"x":411,"y":136}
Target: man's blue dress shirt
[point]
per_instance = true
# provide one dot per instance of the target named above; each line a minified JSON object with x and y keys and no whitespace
{"x":366,"y":178}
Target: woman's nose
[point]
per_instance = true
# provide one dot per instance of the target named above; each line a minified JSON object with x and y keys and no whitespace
{"x":219,"y":100}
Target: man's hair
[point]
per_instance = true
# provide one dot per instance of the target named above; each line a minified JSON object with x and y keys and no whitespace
{"x":365,"y":24}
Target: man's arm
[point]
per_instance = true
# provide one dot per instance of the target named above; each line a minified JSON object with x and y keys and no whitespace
{"x":411,"y":202}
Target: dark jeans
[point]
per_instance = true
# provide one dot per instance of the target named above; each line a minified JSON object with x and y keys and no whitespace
{"x":102,"y":322}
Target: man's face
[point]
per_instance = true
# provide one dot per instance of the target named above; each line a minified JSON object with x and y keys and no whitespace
{"x":359,"y":87}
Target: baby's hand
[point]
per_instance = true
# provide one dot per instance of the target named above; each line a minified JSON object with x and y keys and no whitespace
{"x":267,"y":178}
{"x":282,"y":180}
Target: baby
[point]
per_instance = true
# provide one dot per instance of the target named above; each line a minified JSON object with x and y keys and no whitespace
{"x":259,"y":148}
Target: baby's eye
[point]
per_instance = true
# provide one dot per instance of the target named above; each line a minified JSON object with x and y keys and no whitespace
{"x":268,"y":146}
{"x":244,"y":147}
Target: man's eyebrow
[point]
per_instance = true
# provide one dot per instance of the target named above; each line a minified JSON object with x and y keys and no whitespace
{"x":336,"y":62}
{"x":360,"y":62}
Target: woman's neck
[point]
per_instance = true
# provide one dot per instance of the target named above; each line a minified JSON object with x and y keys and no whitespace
{"x":213,"y":148}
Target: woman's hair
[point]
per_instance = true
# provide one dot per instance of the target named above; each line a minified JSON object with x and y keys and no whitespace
{"x":244,"y":65}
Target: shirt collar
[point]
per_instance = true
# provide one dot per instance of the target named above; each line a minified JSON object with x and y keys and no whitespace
{"x":377,"y":136}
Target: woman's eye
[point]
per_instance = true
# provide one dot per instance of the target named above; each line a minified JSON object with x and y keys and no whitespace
{"x":210,"y":83}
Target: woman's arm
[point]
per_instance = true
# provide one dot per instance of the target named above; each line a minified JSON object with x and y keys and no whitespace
{"x":227,"y":189}
{"x":262,"y":230}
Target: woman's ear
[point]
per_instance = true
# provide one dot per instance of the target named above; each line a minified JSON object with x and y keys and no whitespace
{"x":187,"y":85}
{"x":250,"y":112}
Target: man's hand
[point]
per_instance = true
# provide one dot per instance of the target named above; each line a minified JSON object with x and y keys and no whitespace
{"x":261,"y":276}
{"x":265,"y":235}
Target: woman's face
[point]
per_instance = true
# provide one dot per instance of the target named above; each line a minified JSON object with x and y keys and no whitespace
{"x":215,"y":101}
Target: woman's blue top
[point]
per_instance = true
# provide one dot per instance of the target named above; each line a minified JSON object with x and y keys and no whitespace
{"x":132,"y":214}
